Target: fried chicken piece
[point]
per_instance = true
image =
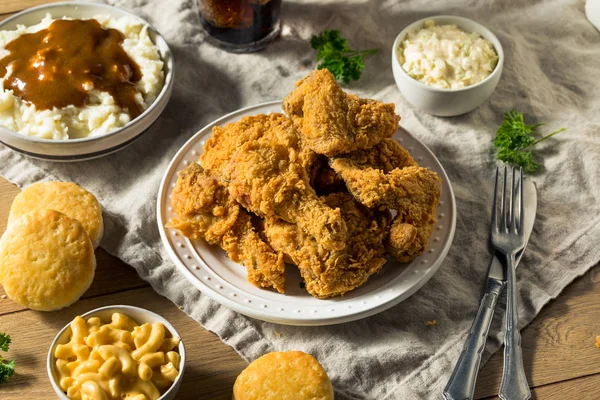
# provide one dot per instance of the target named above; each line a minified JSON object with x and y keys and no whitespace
{"x":334,"y":122}
{"x":387,"y":176}
{"x":206,"y":211}
{"x":412,"y":191}
{"x":406,"y":242}
{"x":276,"y":128}
{"x":329,"y":273}
{"x":385,"y":155}
{"x":265,"y":164}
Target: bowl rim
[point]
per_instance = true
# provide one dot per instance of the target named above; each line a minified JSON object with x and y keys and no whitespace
{"x":480,"y":29}
{"x":169,"y":63}
{"x":118,"y":308}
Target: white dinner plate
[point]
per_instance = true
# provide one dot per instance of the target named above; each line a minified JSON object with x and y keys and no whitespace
{"x":210,"y":270}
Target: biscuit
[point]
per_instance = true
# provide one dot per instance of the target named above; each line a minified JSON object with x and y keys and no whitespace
{"x":65,"y":197}
{"x":291,"y":375}
{"x":46,"y":260}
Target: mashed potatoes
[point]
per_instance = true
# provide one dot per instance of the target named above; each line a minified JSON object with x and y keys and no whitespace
{"x":101,"y":114}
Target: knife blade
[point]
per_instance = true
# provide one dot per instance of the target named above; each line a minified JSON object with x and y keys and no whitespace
{"x":461,"y":385}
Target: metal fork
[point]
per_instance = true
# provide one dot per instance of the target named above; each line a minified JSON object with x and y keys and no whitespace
{"x":507,"y":237}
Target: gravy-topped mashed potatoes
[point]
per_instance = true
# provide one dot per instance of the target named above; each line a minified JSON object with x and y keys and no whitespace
{"x":69,"y":78}
{"x":117,"y":360}
{"x":446,"y":57}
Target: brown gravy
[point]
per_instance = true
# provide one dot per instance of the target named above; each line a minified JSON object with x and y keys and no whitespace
{"x":50,"y":68}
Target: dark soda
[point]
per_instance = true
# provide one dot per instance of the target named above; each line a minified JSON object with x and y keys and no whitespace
{"x":240,"y":22}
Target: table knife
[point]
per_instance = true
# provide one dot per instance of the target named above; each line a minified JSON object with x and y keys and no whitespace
{"x":461,"y":385}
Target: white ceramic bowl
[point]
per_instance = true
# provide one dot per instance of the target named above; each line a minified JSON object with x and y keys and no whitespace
{"x":140,"y":316}
{"x":447,"y":102}
{"x":90,"y":147}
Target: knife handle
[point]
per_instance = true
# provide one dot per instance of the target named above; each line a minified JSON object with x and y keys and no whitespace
{"x":461,"y":385}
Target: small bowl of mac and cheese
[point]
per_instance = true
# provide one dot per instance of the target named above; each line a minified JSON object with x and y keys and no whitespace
{"x":117,"y":352}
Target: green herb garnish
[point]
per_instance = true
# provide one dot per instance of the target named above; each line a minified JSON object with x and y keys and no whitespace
{"x":302,"y":285}
{"x":6,"y":368}
{"x":515,"y":139}
{"x":334,"y":54}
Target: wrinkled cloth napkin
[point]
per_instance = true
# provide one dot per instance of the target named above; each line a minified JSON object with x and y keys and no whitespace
{"x":550,"y":73}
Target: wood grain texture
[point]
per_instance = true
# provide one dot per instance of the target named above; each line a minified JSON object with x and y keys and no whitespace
{"x":211,"y":366}
{"x":559,"y":344}
{"x":12,"y":6}
{"x":584,"y":388}
{"x":4,"y":16}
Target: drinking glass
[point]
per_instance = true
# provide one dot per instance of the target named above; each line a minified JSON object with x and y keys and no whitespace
{"x":240,"y":26}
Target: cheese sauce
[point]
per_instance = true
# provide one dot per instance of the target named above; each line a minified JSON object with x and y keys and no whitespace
{"x":446,"y":57}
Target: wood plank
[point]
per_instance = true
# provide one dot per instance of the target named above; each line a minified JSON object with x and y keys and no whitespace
{"x":584,"y":388}
{"x":112,"y":275}
{"x":211,"y":366}
{"x":12,"y":6}
{"x":560,"y":343}
{"x":4,"y":16}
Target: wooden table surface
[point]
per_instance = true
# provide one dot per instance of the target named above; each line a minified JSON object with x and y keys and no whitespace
{"x":561,"y":359}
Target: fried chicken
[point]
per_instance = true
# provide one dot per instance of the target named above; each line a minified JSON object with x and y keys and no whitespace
{"x":406,"y":241}
{"x":329,"y":273}
{"x":386,"y":176}
{"x":275,"y":128}
{"x":314,"y":188}
{"x":265,"y":164}
{"x":333,"y":122}
{"x":206,"y":211}
{"x":385,"y":155}
{"x":412,"y":191}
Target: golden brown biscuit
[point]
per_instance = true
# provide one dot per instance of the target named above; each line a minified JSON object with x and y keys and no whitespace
{"x":65,"y":197}
{"x":291,"y":375}
{"x":46,"y":260}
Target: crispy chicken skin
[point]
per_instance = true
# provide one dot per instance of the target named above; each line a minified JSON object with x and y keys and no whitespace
{"x":385,"y":155}
{"x":275,"y":128}
{"x":386,"y":176}
{"x":334,"y":122}
{"x":206,"y":211}
{"x":405,"y":241}
{"x":329,"y":273}
{"x":412,"y":191}
{"x":265,"y":164}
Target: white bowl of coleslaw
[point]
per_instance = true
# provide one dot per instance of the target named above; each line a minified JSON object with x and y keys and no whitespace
{"x":139,"y":316}
{"x":443,"y":82}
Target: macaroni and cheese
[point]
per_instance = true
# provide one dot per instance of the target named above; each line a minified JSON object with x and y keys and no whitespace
{"x":117,"y":360}
{"x":446,"y":57}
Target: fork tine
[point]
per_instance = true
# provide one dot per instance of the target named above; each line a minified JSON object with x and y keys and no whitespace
{"x":512,"y":205}
{"x":521,"y":205}
{"x":494,"y":219}
{"x":503,"y":223}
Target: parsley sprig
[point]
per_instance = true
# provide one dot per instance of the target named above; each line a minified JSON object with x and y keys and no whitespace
{"x":334,"y":54}
{"x":515,"y":139}
{"x":6,"y":368}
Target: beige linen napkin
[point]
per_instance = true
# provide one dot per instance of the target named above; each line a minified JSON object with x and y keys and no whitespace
{"x":551,"y":73}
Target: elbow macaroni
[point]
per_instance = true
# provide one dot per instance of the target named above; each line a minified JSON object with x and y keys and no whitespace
{"x":116,"y":360}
